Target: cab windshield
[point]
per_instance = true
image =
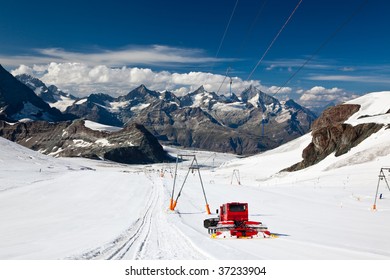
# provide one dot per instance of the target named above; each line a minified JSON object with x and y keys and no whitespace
{"x":237,"y":208}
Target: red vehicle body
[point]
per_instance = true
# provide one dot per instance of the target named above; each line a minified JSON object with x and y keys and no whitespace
{"x":233,"y":221}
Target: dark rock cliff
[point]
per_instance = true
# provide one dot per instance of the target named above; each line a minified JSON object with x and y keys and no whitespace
{"x":331,"y":135}
{"x":134,"y":144}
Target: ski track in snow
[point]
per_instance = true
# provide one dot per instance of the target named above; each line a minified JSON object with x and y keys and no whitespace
{"x":149,"y":237}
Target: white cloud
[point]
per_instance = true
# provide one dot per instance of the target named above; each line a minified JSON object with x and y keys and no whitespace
{"x":154,"y":55}
{"x":23,"y":69}
{"x":291,"y":64}
{"x":349,"y":78}
{"x":279,"y":90}
{"x":347,"y":69}
{"x":318,"y":95}
{"x":270,"y":67}
{"x":81,"y":79}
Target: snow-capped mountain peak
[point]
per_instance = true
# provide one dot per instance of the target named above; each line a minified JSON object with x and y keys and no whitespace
{"x":51,"y":95}
{"x":181,"y":120}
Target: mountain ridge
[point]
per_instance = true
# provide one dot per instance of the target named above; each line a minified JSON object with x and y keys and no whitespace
{"x":247,"y":125}
{"x":18,"y":101}
{"x":132,"y":144}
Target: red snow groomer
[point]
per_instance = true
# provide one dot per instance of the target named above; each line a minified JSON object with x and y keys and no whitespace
{"x":233,"y":222}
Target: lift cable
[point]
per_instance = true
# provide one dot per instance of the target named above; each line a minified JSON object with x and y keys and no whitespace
{"x":248,"y":32}
{"x":338,"y":29}
{"x":227,"y":27}
{"x":273,"y":41}
{"x":251,"y":27}
{"x":226,"y":75}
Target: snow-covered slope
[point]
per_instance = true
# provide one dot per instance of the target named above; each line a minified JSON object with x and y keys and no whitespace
{"x":52,"y":208}
{"x":79,"y":209}
{"x":375,"y":107}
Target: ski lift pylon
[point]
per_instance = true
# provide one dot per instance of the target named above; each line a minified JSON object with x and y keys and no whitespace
{"x":381,"y":177}
{"x":194,"y":166}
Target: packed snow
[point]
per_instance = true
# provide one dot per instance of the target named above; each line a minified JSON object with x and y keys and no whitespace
{"x":62,"y":103}
{"x":53,"y":208}
{"x":374,"y":107}
{"x":101,"y":127}
{"x":81,"y":101}
{"x":227,"y":107}
{"x":115,"y":106}
{"x":140,"y":107}
{"x":201,"y":100}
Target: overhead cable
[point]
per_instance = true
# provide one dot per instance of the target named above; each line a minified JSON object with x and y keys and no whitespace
{"x":227,"y":27}
{"x":226,"y":75}
{"x":338,"y":29}
{"x":273,"y":41}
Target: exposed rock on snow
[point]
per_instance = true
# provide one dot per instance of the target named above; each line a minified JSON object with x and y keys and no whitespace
{"x":133,"y":144}
{"x":331,"y":133}
{"x":335,"y":115}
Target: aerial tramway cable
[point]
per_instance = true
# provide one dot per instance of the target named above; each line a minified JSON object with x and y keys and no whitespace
{"x":273,"y":41}
{"x":226,"y":29}
{"x":248,"y":32}
{"x":338,"y":29}
{"x":221,"y":43}
{"x":251,"y":27}
{"x":226,"y":75}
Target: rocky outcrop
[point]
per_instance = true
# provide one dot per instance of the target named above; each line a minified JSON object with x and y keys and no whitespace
{"x":331,"y":135}
{"x":335,"y":115}
{"x":133,"y":144}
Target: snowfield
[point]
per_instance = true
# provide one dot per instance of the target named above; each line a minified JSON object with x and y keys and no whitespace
{"x":53,"y":208}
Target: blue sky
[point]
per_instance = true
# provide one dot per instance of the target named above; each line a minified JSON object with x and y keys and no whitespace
{"x":111,"y":46}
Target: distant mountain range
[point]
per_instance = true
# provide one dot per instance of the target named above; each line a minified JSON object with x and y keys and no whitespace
{"x":247,"y":124}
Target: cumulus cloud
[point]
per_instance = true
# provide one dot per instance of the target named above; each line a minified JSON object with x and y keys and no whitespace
{"x":81,"y":79}
{"x":318,"y":95}
{"x":23,"y":69}
{"x":279,"y":90}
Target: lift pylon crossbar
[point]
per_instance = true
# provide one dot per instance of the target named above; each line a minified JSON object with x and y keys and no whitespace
{"x":194,"y":166}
